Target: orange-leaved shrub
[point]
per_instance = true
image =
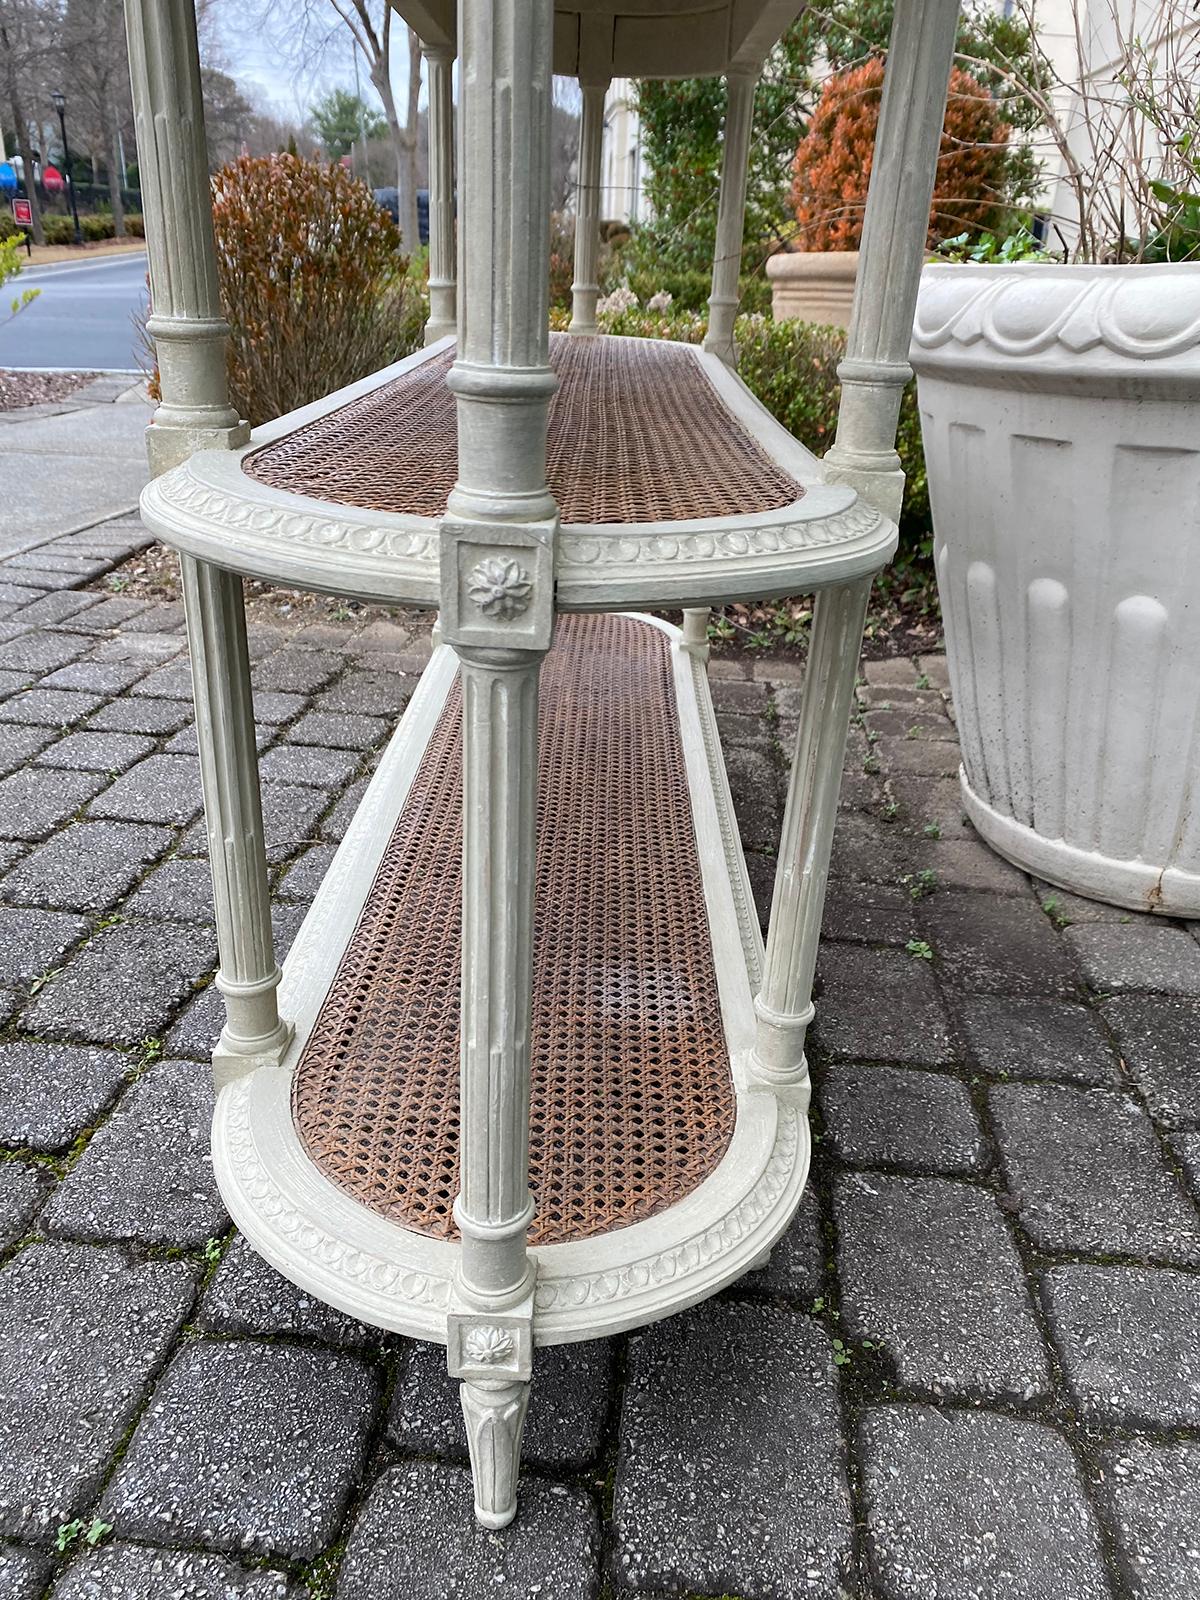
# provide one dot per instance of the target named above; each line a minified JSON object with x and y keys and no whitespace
{"x":313,"y":282}
{"x":833,"y":161}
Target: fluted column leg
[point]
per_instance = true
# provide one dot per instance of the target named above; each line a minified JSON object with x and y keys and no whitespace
{"x":489,"y":1343}
{"x":189,"y":332}
{"x":248,"y":975}
{"x":497,"y":604}
{"x":190,"y":338}
{"x":784,"y":1003}
{"x":731,"y":216}
{"x":895,"y":226}
{"x":494,"y":1206}
{"x":585,"y":291}
{"x":439,"y":63}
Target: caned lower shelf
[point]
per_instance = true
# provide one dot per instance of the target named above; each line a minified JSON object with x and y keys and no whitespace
{"x":675,"y":488}
{"x":658,"y":1172}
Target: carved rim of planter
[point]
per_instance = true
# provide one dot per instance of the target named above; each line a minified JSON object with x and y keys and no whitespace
{"x":1137,"y":323}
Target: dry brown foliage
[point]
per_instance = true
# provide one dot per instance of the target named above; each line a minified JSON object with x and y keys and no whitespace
{"x":312,"y":282}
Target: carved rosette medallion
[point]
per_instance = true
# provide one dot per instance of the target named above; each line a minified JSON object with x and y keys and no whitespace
{"x":500,"y":588}
{"x":497,"y":584}
{"x":487,"y":1346}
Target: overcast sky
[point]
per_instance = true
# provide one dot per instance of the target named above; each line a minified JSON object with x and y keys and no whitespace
{"x":281,"y":70}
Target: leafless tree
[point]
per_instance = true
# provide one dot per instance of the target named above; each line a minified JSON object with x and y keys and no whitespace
{"x":26,"y":31}
{"x":307,"y":30}
{"x":269,"y":132}
{"x":564,"y":144}
{"x":96,"y":63}
{"x":371,"y":27}
{"x":228,"y":117}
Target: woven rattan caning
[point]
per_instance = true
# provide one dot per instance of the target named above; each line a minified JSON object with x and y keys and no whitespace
{"x":632,"y":1101}
{"x":637,"y":434}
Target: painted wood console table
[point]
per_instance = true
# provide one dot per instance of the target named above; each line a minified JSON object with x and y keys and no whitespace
{"x":528,"y":1074}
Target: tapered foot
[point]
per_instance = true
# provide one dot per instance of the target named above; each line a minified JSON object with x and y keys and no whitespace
{"x":495,"y":1418}
{"x":695,"y":631}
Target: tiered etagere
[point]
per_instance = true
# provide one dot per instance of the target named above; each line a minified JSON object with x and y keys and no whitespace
{"x":528,"y":1074}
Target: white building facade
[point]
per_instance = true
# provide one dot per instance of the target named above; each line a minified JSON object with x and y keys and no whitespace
{"x":1092,"y":46}
{"x":623,"y":172}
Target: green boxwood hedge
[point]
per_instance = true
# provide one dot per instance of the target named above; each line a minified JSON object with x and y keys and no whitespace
{"x":792,"y":368}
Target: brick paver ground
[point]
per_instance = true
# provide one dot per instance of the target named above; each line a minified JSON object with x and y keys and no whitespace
{"x":969,"y":1373}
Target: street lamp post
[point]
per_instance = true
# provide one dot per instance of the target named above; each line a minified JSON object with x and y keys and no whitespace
{"x":60,"y":105}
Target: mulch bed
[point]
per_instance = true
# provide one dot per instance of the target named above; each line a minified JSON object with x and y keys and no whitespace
{"x":153,"y":574}
{"x":19,"y":389}
{"x":903,"y":619}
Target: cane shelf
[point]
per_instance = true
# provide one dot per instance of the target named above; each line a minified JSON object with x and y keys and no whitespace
{"x":675,"y":487}
{"x":656,"y":1174}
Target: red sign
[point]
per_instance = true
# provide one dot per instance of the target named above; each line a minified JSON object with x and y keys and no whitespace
{"x":22,"y":213}
{"x":52,"y":180}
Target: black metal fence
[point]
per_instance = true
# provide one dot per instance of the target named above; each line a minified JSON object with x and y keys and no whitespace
{"x":90,"y":197}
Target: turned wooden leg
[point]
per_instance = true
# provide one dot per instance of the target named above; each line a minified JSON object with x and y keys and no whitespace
{"x":249,"y":976}
{"x":585,"y":291}
{"x":731,"y":211}
{"x":439,"y":68}
{"x":190,"y":338}
{"x":784,"y":1003}
{"x":875,"y":369}
{"x":497,"y":611}
{"x":189,"y":332}
{"x":494,"y":1206}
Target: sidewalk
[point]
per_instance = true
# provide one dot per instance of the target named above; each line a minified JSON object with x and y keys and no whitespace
{"x":45,"y":255}
{"x":72,"y":463}
{"x":971,"y":1371}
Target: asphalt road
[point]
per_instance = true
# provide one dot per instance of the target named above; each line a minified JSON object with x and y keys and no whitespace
{"x":83,"y":319}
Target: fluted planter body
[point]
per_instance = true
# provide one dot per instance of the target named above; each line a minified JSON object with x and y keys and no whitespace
{"x":1060,"y":407}
{"x":814,"y":285}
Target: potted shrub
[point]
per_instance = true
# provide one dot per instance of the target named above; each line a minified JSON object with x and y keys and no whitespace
{"x":814,"y":279}
{"x":1059,"y":403}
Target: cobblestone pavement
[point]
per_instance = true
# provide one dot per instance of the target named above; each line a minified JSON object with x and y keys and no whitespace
{"x":971,"y":1371}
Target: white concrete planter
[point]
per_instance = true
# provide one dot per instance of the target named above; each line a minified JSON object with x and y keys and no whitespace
{"x":815,"y":285}
{"x":1060,"y":413}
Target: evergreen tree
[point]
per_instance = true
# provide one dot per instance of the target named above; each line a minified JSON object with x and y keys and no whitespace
{"x":681,"y":124}
{"x":343,"y":120}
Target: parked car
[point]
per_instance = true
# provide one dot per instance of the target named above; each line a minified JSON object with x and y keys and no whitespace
{"x":389,"y":199}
